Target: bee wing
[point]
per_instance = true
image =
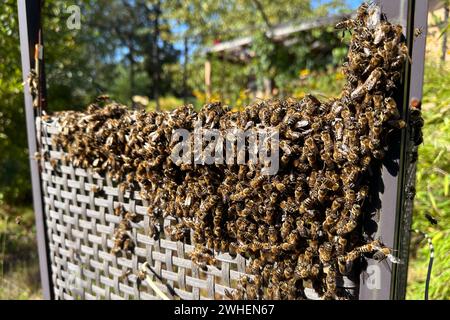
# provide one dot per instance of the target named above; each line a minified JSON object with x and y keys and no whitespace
{"x":394,"y":259}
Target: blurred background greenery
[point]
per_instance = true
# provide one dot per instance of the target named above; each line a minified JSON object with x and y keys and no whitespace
{"x":152,"y":54}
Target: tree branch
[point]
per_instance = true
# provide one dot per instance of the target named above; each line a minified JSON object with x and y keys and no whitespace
{"x":260,"y":8}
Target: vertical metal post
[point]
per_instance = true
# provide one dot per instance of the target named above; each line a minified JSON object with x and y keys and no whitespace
{"x":30,"y":31}
{"x":384,"y":280}
{"x":416,"y":45}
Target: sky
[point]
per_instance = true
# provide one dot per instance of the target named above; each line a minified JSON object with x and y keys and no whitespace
{"x":353,"y":4}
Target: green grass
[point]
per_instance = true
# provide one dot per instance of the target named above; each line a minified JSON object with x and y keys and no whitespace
{"x":19,"y":267}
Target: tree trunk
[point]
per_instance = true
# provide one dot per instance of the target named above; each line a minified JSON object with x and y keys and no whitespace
{"x":132,"y":82}
{"x":445,"y":37}
{"x":185,"y":93}
{"x":156,"y":72}
{"x":208,"y":80}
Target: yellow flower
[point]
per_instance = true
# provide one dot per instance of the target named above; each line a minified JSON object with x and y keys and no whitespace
{"x":339,"y":76}
{"x":304,"y":73}
{"x":199,"y":95}
{"x":215,"y":97}
{"x":298,"y":94}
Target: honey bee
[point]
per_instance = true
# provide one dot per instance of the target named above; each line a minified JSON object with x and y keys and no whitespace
{"x":245,"y":193}
{"x":365,"y":145}
{"x":312,"y":159}
{"x":277,"y":116}
{"x":352,"y":155}
{"x":327,"y":142}
{"x":302,"y":271}
{"x":255,"y":266}
{"x":368,"y":247}
{"x":306,"y":205}
{"x":202,"y":257}
{"x":311,"y":104}
{"x":274,"y":292}
{"x":330,"y":221}
{"x":404,"y":53}
{"x":346,"y":24}
{"x":330,"y":281}
{"x":252,"y":292}
{"x":340,"y":245}
{"x":291,"y":119}
{"x":292,"y":241}
{"x":378,"y":154}
{"x":236,"y":294}
{"x":322,"y":195}
{"x":350,"y":175}
{"x":349,"y":196}
{"x":398,"y":124}
{"x":418,"y":32}
{"x":348,"y":227}
{"x":383,"y":253}
{"x":310,"y":145}
{"x":325,"y":252}
{"x":292,"y":135}
{"x":362,"y":194}
{"x":327,"y":158}
{"x":280,"y":186}
{"x":122,"y":239}
{"x":264,"y":116}
{"x":257,"y":181}
{"x":344,"y":266}
{"x":315,"y":230}
{"x":125,"y":275}
{"x":338,"y":155}
{"x":272,"y":235}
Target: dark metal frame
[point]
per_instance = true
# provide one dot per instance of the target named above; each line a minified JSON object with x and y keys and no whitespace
{"x":395,"y":209}
{"x":31,"y":35}
{"x":395,"y":218}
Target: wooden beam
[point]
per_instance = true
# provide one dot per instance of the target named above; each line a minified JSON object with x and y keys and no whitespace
{"x":277,"y":32}
{"x":208,"y":79}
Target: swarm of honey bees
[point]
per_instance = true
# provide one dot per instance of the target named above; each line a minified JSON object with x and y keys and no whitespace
{"x":299,"y":228}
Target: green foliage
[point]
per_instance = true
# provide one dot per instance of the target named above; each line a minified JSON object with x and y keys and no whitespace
{"x":227,"y":80}
{"x":322,"y":83}
{"x":224,"y":20}
{"x":120,"y":89}
{"x":266,"y":65}
{"x":19,"y":268}
{"x":131,"y":28}
{"x":166,"y":103}
{"x":14,"y":183}
{"x":215,"y":21}
{"x":64,"y":55}
{"x":80,"y":64}
{"x":432,"y":188}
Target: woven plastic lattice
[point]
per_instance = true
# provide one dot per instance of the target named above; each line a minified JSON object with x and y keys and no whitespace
{"x":80,"y":220}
